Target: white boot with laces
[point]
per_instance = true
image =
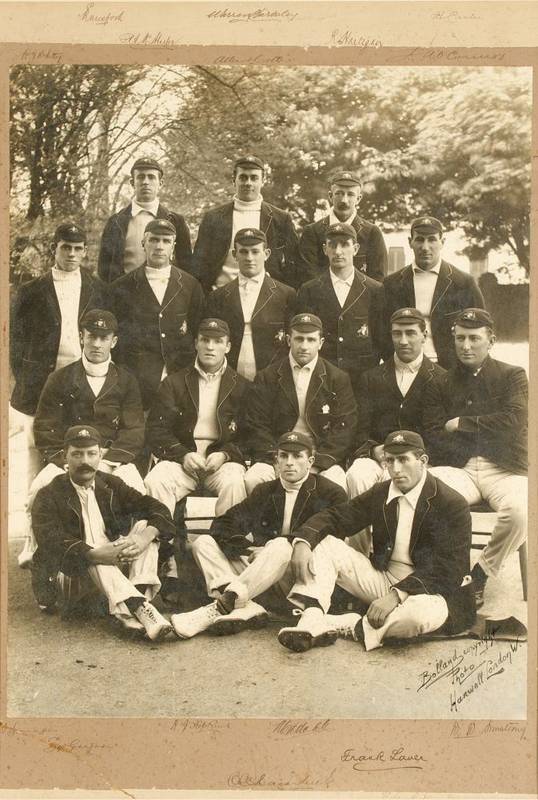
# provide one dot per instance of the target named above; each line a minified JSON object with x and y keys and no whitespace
{"x":311,"y":631}
{"x":157,"y":627}
{"x":190,"y":623}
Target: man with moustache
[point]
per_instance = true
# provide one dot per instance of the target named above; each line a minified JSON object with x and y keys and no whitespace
{"x":391,"y":398}
{"x":435,"y":287}
{"x":371,"y":256}
{"x":303,"y":392}
{"x":91,"y":524}
{"x":44,"y":333}
{"x":121,"y":243}
{"x":256,"y":307}
{"x":349,"y":304}
{"x":476,"y":422}
{"x":195,"y":426}
{"x":158,"y":308}
{"x":416,"y":579}
{"x":214,"y":262}
{"x":253,"y":546}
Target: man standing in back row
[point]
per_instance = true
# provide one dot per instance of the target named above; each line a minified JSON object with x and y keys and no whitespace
{"x":121,"y":244}
{"x":371,"y":256}
{"x":214,"y":262}
{"x":435,"y":287}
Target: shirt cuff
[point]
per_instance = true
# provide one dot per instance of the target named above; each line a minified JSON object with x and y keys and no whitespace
{"x":402,"y":596}
{"x":298,"y":539}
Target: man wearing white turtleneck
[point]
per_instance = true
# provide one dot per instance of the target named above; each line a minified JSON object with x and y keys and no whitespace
{"x":214,"y":262}
{"x":91,"y":391}
{"x":44,"y":333}
{"x":252,"y":546}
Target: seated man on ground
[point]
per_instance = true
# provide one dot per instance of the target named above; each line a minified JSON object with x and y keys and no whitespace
{"x":253,"y":546}
{"x":306,"y":393}
{"x":476,"y":423}
{"x":416,"y":579}
{"x":89,"y":523}
{"x":195,"y":428}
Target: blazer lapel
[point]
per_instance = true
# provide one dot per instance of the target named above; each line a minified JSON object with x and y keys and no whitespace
{"x":173,"y":288}
{"x":191,"y":380}
{"x":227,"y":384}
{"x":51,"y":297}
{"x":389,"y":376}
{"x":266,"y":292}
{"x":407,"y":291}
{"x":357,"y":289}
{"x":429,"y":490}
{"x":143,"y":290}
{"x":390,"y":516}
{"x":316,"y":382}
{"x":305,"y":492}
{"x":266,"y":217}
{"x":424,"y":376}
{"x":444,"y":281}
{"x":285,"y":380}
{"x":233,"y":299}
{"x":278,"y":498}
{"x":110,"y":381}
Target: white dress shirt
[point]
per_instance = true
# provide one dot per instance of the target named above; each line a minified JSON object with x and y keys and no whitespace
{"x":406,"y":373}
{"x":424,"y":283}
{"x":342,"y":286}
{"x":95,"y":373}
{"x":249,"y":291}
{"x":301,"y":379}
{"x":401,"y":561}
{"x":94,"y":526}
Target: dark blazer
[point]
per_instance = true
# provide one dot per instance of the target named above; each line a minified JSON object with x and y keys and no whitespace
{"x":59,"y":527}
{"x":152,"y":335}
{"x":371,"y":258}
{"x":330,"y":412}
{"x":353,"y":334}
{"x":439,"y":545}
{"x":454,"y":291}
{"x":215,"y":237}
{"x":116,"y":412}
{"x":492,"y":409}
{"x":261,"y":515}
{"x":269,"y":322}
{"x":36,"y":325}
{"x":383,"y":408}
{"x":110,"y":261}
{"x":174,"y":414}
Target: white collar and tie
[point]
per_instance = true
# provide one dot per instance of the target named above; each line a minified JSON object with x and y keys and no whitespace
{"x":209,"y":377}
{"x":342,"y":286}
{"x":333,"y":219}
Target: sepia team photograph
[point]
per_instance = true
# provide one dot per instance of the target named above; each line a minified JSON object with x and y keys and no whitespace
{"x":269,"y":351}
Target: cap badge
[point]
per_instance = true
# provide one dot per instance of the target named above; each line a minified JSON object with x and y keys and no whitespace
{"x":83,"y":432}
{"x":249,"y":233}
{"x":212,"y":324}
{"x":100,"y":323}
{"x":292,"y":437}
{"x":426,"y":221}
{"x":347,"y":175}
{"x":406,"y":312}
{"x":470,"y":315}
{"x":306,"y":318}
{"x":398,"y":438}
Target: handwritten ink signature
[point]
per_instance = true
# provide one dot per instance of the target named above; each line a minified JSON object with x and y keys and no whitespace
{"x":381,"y":761}
{"x":253,"y":16}
{"x":99,"y":19}
{"x":296,"y":780}
{"x":349,"y":39}
{"x":288,"y":728}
